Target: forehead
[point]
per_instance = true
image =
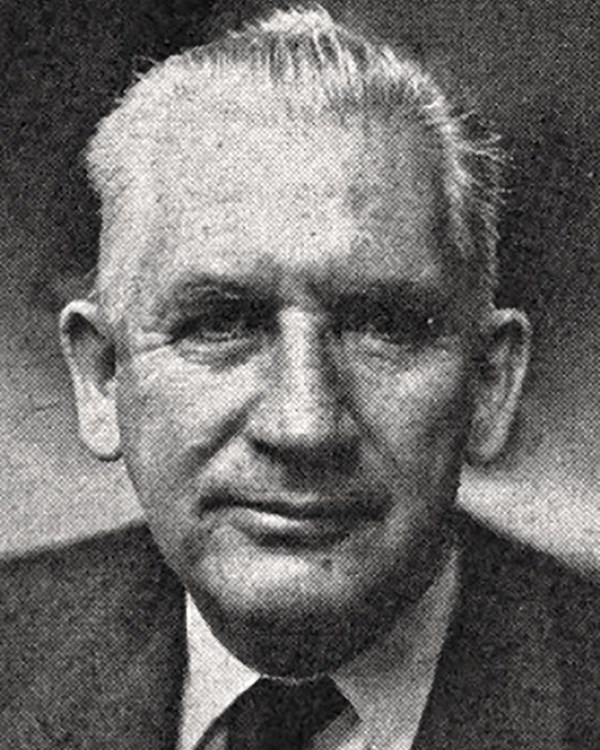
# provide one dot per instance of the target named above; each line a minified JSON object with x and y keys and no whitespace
{"x":238,"y":195}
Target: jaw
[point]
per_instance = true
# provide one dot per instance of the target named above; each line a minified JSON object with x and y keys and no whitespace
{"x":293,"y":636}
{"x":301,"y":615}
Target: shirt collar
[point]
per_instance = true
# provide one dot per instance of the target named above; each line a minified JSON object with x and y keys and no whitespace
{"x":387,"y":685}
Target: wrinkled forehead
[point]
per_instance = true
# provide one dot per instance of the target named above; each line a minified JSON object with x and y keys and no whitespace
{"x":232,"y":186}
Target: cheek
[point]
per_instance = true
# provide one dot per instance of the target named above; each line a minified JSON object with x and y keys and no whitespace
{"x":169,"y":409}
{"x":418,"y":417}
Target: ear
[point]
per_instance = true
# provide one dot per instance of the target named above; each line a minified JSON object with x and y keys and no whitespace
{"x":503,"y":363}
{"x":90,"y":355}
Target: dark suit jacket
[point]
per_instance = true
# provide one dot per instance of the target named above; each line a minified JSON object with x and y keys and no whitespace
{"x":93,"y":651}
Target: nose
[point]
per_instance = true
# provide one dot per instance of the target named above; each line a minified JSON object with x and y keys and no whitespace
{"x":303,"y":415}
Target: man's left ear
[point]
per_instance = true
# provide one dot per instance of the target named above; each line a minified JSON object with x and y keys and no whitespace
{"x":502,"y":369}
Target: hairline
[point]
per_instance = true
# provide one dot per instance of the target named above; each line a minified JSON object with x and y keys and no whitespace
{"x":178,"y":76}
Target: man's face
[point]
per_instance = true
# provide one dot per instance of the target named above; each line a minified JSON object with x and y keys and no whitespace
{"x":293,"y":382}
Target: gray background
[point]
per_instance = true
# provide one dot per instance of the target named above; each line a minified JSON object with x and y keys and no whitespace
{"x":533,"y":68}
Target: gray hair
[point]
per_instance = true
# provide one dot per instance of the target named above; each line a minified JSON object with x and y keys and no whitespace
{"x":311,"y":65}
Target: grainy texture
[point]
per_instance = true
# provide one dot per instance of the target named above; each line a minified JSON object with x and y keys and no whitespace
{"x":92,"y":636}
{"x":520,"y":669}
{"x":532,"y":67}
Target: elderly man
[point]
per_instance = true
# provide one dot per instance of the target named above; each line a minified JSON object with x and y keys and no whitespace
{"x":292,"y":342}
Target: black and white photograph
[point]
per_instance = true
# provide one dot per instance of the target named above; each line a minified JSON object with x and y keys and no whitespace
{"x":300,"y":375}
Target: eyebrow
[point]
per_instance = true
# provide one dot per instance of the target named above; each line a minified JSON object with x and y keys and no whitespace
{"x":185,"y":292}
{"x":409,"y":292}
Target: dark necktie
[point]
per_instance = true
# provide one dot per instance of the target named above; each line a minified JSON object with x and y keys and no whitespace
{"x":272,"y":715}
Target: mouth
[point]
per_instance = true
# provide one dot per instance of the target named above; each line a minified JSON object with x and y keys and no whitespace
{"x":293,"y":519}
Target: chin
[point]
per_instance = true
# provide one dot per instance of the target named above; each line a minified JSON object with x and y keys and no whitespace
{"x":298,"y":611}
{"x":289,"y":637}
{"x":283,"y":623}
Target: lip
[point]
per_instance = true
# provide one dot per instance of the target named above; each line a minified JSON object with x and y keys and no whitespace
{"x":293,"y":518}
{"x":275,"y":529}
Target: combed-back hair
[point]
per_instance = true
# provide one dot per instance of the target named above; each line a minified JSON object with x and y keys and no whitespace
{"x":304,"y":65}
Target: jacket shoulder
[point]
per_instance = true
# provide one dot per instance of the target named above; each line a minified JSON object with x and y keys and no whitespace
{"x":47,"y":575}
{"x":514,"y":574}
{"x":53,"y":594}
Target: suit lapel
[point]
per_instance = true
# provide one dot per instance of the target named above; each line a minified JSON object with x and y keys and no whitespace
{"x":115,"y":678}
{"x":497,"y":684}
{"x":142,"y":711}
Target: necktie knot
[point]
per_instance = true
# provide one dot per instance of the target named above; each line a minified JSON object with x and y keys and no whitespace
{"x":274,"y":715}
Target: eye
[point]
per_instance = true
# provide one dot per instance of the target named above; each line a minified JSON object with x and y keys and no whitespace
{"x":392,"y":323}
{"x":222,"y":319}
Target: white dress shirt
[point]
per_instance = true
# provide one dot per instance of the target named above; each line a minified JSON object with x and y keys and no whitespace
{"x":387,"y":686}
